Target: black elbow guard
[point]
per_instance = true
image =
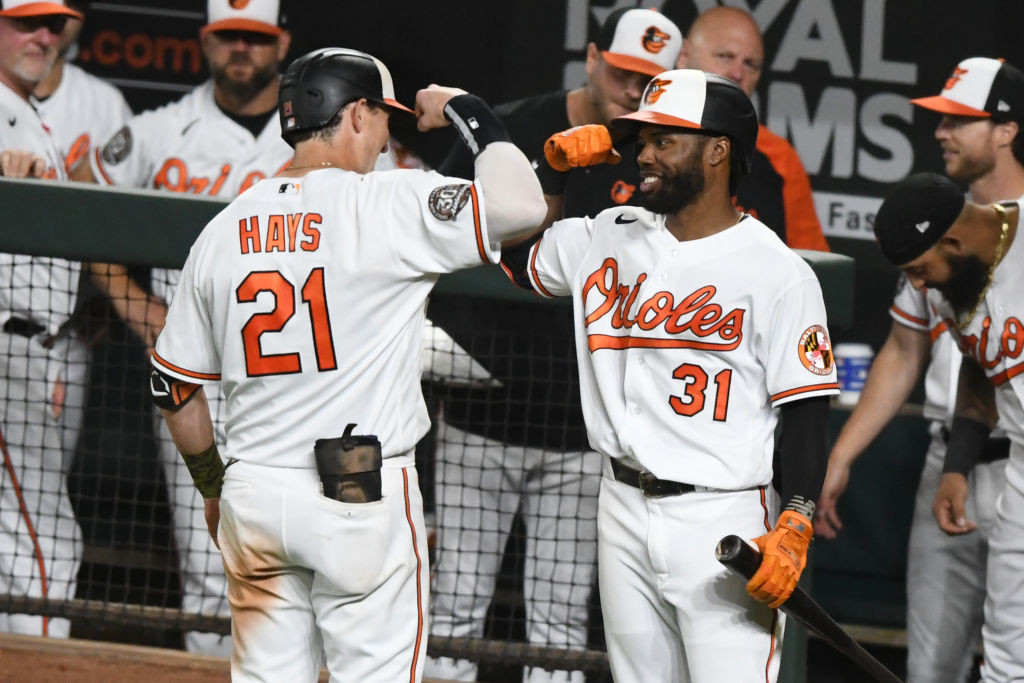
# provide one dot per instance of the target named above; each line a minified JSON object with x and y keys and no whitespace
{"x":170,"y":393}
{"x":476,"y":123}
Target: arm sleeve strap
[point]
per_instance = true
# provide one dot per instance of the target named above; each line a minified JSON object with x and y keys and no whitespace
{"x":803,"y":453}
{"x":966,"y":441}
{"x":207,"y":470}
{"x":475,"y":122}
{"x":169,"y":393}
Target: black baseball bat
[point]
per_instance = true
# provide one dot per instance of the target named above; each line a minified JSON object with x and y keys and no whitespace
{"x":739,"y":556}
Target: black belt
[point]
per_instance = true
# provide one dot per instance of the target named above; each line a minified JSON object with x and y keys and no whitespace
{"x":23,"y":327}
{"x":651,"y":486}
{"x":995,"y":448}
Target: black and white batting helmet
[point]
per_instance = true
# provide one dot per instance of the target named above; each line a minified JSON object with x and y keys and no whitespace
{"x":317,"y":85}
{"x":688,"y":98}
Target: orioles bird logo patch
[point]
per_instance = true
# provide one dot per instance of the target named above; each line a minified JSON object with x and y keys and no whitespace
{"x":622,"y":191}
{"x":952,"y":80}
{"x":238,"y":4}
{"x":815,"y":350}
{"x":655,"y":90}
{"x":654,"y":39}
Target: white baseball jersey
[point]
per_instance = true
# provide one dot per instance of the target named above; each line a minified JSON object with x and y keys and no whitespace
{"x":190,"y":145}
{"x":686,"y":348}
{"x":306,"y":299}
{"x":83,"y":111}
{"x":910,"y":308}
{"x":995,"y":335}
{"x":37,"y":288}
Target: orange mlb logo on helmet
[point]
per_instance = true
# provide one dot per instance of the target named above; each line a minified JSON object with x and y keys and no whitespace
{"x":655,"y":90}
{"x":654,"y":39}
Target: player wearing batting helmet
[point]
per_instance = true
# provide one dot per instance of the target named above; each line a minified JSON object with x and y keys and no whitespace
{"x":696,"y":327}
{"x":322,"y":532}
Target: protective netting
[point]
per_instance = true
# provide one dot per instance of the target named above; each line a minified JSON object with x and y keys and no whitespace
{"x":103,"y":534}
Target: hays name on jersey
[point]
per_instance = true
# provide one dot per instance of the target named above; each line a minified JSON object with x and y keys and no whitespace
{"x":696,"y":313}
{"x":279,"y":232}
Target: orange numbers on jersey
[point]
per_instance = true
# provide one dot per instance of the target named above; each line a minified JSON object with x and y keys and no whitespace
{"x":314,"y":295}
{"x":695,"y":391}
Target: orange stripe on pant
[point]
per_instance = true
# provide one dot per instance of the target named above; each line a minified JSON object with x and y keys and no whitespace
{"x":419,"y":586}
{"x":9,"y":465}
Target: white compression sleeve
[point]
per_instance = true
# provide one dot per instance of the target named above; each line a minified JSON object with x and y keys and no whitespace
{"x":513,"y":200}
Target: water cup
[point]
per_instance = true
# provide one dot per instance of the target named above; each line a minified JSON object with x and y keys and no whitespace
{"x":853,"y":361}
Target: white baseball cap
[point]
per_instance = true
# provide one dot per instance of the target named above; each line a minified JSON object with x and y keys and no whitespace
{"x":701,"y":101}
{"x":34,"y":8}
{"x":640,"y":40}
{"x":980,"y":87}
{"x":258,"y":16}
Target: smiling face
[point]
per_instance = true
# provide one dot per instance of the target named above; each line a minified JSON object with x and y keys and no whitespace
{"x":968,"y":146}
{"x":28,"y":49}
{"x":672,"y":172}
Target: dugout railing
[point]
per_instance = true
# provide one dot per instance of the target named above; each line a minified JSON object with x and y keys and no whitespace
{"x":128,"y":585}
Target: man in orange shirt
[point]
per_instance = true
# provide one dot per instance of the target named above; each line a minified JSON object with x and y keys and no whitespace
{"x":726,"y":41}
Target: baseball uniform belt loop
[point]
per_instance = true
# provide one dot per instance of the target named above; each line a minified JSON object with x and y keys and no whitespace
{"x":996,"y":447}
{"x":649,"y":485}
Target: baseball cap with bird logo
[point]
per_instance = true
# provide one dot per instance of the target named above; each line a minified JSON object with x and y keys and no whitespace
{"x":258,"y":16}
{"x":640,"y":40}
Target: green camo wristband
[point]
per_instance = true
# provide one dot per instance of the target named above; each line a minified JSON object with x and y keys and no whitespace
{"x":207,"y":470}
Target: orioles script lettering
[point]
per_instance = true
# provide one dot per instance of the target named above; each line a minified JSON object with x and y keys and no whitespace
{"x":696,"y":313}
{"x":1010,"y":345}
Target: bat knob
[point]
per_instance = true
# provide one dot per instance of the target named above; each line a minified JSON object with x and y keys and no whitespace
{"x":729,"y":548}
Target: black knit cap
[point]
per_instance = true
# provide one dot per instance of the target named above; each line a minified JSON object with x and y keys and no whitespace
{"x":916,"y":214}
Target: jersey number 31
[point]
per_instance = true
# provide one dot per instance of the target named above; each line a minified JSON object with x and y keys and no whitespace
{"x":313,"y":295}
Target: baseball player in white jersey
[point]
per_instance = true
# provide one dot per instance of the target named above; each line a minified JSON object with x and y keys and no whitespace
{"x":42,"y":380}
{"x":695,"y":328}
{"x":969,"y":258}
{"x":218,"y":140}
{"x":80,"y":109}
{"x":982,"y":105}
{"x":306,"y":299}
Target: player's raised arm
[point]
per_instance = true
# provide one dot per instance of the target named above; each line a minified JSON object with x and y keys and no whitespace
{"x":513,"y":201}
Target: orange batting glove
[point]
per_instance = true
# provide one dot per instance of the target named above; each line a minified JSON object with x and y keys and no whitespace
{"x":580,"y":146}
{"x":783,"y":558}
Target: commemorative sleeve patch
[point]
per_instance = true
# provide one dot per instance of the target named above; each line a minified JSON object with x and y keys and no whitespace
{"x":815,"y":350}
{"x":119,"y":146}
{"x":446,"y":201}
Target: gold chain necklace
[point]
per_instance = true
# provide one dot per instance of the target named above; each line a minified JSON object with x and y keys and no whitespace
{"x":322,"y":164}
{"x":961,"y":324}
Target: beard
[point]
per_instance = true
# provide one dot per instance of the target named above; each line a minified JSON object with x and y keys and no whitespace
{"x":967,"y":279}
{"x":678,"y":190}
{"x":972,"y":168}
{"x":247,"y":89}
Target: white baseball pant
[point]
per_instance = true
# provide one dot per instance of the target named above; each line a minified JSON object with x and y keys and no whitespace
{"x":40,"y":540}
{"x":1003,"y":631}
{"x":481,"y":483}
{"x":672,"y":612}
{"x":946,"y":574}
{"x":312,"y":578}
